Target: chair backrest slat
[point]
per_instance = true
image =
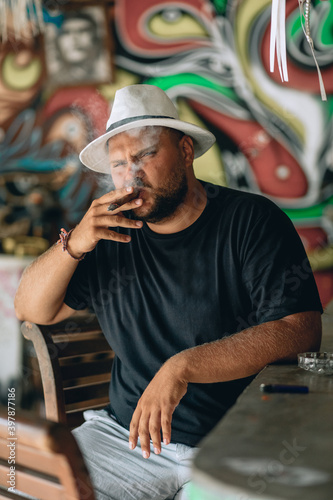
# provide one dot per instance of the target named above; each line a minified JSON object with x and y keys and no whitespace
{"x":5,"y":494}
{"x":75,"y":362}
{"x":26,"y":455}
{"x":95,"y":344}
{"x":39,"y":487}
{"x":85,"y":394}
{"x":48,"y":462}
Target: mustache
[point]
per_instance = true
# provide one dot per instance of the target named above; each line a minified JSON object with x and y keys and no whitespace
{"x":137,"y":182}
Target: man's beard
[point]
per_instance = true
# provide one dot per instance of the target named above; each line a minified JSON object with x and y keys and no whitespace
{"x":167,"y":199}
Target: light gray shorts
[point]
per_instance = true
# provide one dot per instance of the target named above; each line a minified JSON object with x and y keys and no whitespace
{"x":118,"y":473}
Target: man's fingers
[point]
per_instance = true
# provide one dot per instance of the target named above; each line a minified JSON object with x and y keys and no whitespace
{"x":118,"y":220}
{"x":119,"y":198}
{"x":108,"y":234}
{"x":144,"y":437}
{"x":104,"y":225}
{"x":155,"y":431}
{"x":139,"y":428}
{"x":115,"y":195}
{"x":146,"y":428}
{"x":115,"y":208}
{"x":134,"y":431}
{"x":166,"y":427}
{"x":96,"y":223}
{"x":153,"y":414}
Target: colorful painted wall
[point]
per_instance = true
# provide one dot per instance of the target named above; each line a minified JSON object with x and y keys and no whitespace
{"x":212,"y":58}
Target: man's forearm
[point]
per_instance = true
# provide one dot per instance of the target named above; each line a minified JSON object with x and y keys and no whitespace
{"x":247,"y":352}
{"x":43,"y":286}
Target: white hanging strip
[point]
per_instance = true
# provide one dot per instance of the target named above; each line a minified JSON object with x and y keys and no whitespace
{"x":26,"y":15}
{"x":282,"y":52}
{"x":3,"y":21}
{"x":32,"y":17}
{"x":22,"y":13}
{"x":15,"y":8}
{"x":304,"y":6}
{"x":278,"y":38}
{"x":39,"y":15}
{"x":273,"y":34}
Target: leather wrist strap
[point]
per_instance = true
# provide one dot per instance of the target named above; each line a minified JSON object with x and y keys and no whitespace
{"x":64,"y":235}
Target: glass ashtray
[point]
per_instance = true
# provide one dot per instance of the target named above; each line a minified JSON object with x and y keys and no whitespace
{"x":316,"y":362}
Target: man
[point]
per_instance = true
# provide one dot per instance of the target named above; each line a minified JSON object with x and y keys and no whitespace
{"x":194,"y":287}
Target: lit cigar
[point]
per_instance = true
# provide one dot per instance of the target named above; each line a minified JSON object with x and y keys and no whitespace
{"x":113,"y":206}
{"x":124,"y":200}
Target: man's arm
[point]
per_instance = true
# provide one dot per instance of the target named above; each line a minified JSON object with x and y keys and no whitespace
{"x":41,"y":292}
{"x":40,"y":295}
{"x":240,"y":355}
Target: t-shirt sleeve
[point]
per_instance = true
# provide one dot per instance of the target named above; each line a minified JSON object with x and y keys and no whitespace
{"x":77,"y":295}
{"x":275,"y":269}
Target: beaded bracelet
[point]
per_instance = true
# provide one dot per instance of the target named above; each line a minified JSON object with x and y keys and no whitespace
{"x":64,"y":235}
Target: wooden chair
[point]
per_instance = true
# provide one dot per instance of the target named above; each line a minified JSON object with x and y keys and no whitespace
{"x":48,"y":463}
{"x":75,"y":363}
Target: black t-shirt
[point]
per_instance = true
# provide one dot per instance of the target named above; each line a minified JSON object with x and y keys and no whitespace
{"x":241,"y":263}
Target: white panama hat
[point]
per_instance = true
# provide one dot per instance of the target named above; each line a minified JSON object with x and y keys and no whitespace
{"x":140,"y":106}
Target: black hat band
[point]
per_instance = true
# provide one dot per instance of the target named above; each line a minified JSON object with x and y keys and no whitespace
{"x":134,"y":119}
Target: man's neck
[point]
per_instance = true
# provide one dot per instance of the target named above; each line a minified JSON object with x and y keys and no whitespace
{"x":186,"y":214}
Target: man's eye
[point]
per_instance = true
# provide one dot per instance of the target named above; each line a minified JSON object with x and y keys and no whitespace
{"x":148,"y":153}
{"x":118,"y":165}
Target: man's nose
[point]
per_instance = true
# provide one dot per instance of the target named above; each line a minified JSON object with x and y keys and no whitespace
{"x":133,"y":170}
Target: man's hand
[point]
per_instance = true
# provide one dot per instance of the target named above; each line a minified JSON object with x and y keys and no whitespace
{"x":155,"y":408}
{"x":96,"y":223}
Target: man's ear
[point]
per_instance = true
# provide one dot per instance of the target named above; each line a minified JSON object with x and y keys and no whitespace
{"x":187,"y":149}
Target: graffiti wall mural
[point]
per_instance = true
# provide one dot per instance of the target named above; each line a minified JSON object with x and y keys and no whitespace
{"x":212,"y":58}
{"x":43,"y":126}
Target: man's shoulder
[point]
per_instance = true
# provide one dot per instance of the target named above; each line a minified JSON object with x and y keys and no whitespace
{"x":235,"y":199}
